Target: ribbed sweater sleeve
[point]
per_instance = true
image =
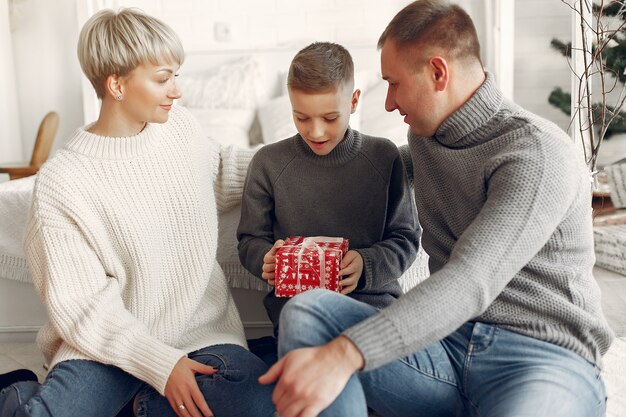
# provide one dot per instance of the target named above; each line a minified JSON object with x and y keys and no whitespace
{"x":386,"y":260}
{"x":84,"y":305}
{"x":255,"y":231}
{"x":227,"y":165}
{"x":507,"y":233}
{"x":231,"y":175}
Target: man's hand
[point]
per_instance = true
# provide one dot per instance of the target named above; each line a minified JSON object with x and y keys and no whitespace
{"x":182,"y":389}
{"x":310,"y":379}
{"x":269,"y":263}
{"x":351,"y":270}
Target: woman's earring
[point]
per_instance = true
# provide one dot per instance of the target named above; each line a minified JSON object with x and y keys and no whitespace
{"x":119,"y":97}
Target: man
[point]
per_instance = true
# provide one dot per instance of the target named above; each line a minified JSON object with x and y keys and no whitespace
{"x":509,"y":323}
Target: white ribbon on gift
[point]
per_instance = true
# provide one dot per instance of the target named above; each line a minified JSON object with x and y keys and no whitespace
{"x":312,"y":243}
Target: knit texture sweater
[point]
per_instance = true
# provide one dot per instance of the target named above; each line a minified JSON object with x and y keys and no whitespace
{"x":503,"y":197}
{"x":121,"y":243}
{"x":358,"y":191}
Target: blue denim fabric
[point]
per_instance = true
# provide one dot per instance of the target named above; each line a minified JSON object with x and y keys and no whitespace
{"x":232,"y":392}
{"x":75,"y":388}
{"x":80,"y":388}
{"x":479,"y":370}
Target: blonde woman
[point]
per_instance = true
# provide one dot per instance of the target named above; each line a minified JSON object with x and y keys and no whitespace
{"x":121,"y":243}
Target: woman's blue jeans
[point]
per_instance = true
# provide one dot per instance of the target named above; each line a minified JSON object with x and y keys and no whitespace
{"x":479,"y":370}
{"x":79,"y":388}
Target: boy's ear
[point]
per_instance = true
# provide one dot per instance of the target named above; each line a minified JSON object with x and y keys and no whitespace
{"x":114,"y":86}
{"x":355,"y":100}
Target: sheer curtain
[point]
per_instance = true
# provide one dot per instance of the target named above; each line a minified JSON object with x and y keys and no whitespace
{"x":494,"y":21}
{"x":84,"y":10}
{"x":10,"y":139}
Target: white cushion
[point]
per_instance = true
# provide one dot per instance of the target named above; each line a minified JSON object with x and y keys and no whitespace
{"x":276,"y":120}
{"x":376,"y":121}
{"x":226,"y":126}
{"x":616,"y":179}
{"x":233,"y":85}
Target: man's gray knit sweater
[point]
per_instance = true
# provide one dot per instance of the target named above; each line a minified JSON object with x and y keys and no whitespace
{"x":503,"y":197}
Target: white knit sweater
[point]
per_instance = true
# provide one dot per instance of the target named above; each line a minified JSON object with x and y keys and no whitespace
{"x":121,"y":242}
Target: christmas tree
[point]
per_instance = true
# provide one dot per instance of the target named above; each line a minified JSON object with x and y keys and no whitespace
{"x":609,"y":55}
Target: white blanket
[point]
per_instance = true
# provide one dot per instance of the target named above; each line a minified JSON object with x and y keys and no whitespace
{"x":15,"y":197}
{"x":15,"y":200}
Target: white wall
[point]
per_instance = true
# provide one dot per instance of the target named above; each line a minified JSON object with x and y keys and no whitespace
{"x":10,"y":149}
{"x":45,"y":35}
{"x":21,"y":312}
{"x":539,"y":68}
{"x":48,"y":75}
{"x":46,"y":68}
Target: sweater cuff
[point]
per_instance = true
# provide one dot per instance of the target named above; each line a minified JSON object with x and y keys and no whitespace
{"x":366,"y":279}
{"x":377,"y":339}
{"x":157,"y":363}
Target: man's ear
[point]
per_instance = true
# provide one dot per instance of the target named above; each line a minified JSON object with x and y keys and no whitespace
{"x":114,"y":87}
{"x":355,"y":100}
{"x":440,"y":72}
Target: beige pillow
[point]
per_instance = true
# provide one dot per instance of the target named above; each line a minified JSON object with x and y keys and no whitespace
{"x":276,"y":120}
{"x":233,"y":85}
{"x":226,"y":126}
{"x":376,"y":121}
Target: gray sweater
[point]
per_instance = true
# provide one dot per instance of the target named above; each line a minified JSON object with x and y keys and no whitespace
{"x":504,"y":199}
{"x":358,"y":191}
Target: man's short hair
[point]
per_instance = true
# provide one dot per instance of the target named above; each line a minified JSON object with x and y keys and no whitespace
{"x":321,"y":67}
{"x":437,"y":23}
{"x":118,"y":42}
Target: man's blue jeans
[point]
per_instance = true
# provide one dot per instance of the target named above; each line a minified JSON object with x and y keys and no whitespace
{"x":79,"y":388}
{"x":479,"y":370}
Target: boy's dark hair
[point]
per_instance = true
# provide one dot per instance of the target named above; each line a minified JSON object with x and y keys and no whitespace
{"x":321,"y":67}
{"x":434,"y":22}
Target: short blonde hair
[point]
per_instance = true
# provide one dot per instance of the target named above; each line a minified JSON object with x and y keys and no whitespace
{"x":115,"y":43}
{"x":321,"y":67}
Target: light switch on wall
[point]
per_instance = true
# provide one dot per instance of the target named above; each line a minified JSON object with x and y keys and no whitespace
{"x":222,"y":32}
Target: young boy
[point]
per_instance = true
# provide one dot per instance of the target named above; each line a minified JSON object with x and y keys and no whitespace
{"x":329,"y":180}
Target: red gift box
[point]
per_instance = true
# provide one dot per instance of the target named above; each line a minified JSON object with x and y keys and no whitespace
{"x":306,"y":263}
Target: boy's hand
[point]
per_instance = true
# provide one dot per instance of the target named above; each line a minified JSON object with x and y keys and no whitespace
{"x":269,"y":263}
{"x":351,"y":270}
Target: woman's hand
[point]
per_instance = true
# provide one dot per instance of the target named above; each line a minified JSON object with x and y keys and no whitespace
{"x":269,"y":263}
{"x":351,"y":270}
{"x":182,"y":390}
